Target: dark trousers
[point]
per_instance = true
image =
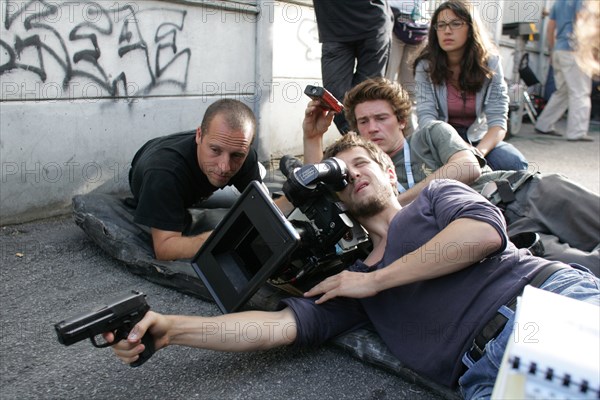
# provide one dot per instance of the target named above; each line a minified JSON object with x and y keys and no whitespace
{"x":345,"y":64}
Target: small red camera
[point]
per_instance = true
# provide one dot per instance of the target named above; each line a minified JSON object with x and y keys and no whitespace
{"x":328,"y":101}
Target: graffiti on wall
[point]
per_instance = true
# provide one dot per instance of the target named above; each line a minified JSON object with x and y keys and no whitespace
{"x":84,"y":49}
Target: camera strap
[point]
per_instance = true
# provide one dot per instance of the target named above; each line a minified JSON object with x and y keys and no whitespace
{"x":409,"y":175}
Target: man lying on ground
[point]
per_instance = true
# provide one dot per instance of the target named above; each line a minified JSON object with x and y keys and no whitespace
{"x":564,"y":214}
{"x":444,"y":261}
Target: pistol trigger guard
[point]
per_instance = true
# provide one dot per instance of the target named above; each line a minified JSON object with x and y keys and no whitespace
{"x":100,"y":345}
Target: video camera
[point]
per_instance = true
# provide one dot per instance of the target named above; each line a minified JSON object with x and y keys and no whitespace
{"x":256,"y":243}
{"x":329,"y":236}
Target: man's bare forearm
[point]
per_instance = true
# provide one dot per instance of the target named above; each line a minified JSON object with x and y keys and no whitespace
{"x":174,"y":246}
{"x":313,"y":150}
{"x":462,"y":243}
{"x":246,"y":331}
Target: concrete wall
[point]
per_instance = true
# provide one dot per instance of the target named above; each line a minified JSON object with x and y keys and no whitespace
{"x":84,"y":84}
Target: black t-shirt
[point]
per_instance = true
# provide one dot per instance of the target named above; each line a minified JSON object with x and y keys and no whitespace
{"x":165,"y":180}
{"x":428,"y":325}
{"x":350,"y":20}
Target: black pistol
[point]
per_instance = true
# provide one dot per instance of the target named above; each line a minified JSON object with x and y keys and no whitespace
{"x":118,"y":316}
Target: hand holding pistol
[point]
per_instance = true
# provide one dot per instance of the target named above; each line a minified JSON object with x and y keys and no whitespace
{"x":118,"y":316}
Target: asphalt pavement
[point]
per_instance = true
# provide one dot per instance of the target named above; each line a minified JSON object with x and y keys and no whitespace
{"x":50,"y":270}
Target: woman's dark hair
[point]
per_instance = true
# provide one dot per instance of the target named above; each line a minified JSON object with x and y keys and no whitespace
{"x":473,"y":67}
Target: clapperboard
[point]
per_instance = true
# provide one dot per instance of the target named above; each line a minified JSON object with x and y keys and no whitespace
{"x":554,"y":350}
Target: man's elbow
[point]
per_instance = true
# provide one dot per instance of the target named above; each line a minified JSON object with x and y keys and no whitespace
{"x":485,"y":239}
{"x":492,"y":239}
{"x":162,"y":254}
{"x":169,"y":246}
{"x":475,"y":173}
{"x":470,"y":171}
{"x":163,"y":251}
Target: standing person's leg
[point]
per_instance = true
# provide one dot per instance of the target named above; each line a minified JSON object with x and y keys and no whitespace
{"x":371,"y":58}
{"x":406,"y":74}
{"x":394,"y":67}
{"x":559,"y":101}
{"x":400,"y":69}
{"x":337,"y":69}
{"x":580,"y":101}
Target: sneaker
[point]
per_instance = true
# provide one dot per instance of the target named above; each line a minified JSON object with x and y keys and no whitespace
{"x":584,"y":138}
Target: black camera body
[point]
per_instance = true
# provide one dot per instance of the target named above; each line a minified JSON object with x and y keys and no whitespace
{"x":330,"y":238}
{"x":256,"y":243}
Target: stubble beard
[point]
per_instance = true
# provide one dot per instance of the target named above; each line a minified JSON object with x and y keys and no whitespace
{"x":374,"y":204}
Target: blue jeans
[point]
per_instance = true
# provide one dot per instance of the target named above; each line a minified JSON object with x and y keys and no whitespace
{"x":478,"y":381}
{"x":506,"y":157}
{"x":503,"y":157}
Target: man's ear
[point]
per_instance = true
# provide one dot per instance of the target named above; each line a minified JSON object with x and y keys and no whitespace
{"x":198,"y":135}
{"x":392,"y":176}
{"x":402,"y":124}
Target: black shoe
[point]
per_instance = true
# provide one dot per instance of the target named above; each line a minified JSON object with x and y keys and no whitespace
{"x":550,"y":133}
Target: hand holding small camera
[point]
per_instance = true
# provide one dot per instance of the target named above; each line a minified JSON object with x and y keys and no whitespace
{"x":319,"y":113}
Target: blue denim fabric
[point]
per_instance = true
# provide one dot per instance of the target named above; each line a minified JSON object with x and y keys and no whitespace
{"x":478,"y":381}
{"x":506,"y":157}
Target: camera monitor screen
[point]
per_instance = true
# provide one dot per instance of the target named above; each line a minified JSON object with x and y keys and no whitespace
{"x":245,"y":249}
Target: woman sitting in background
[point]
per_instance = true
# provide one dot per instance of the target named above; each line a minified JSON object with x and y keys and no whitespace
{"x":461,"y":82}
